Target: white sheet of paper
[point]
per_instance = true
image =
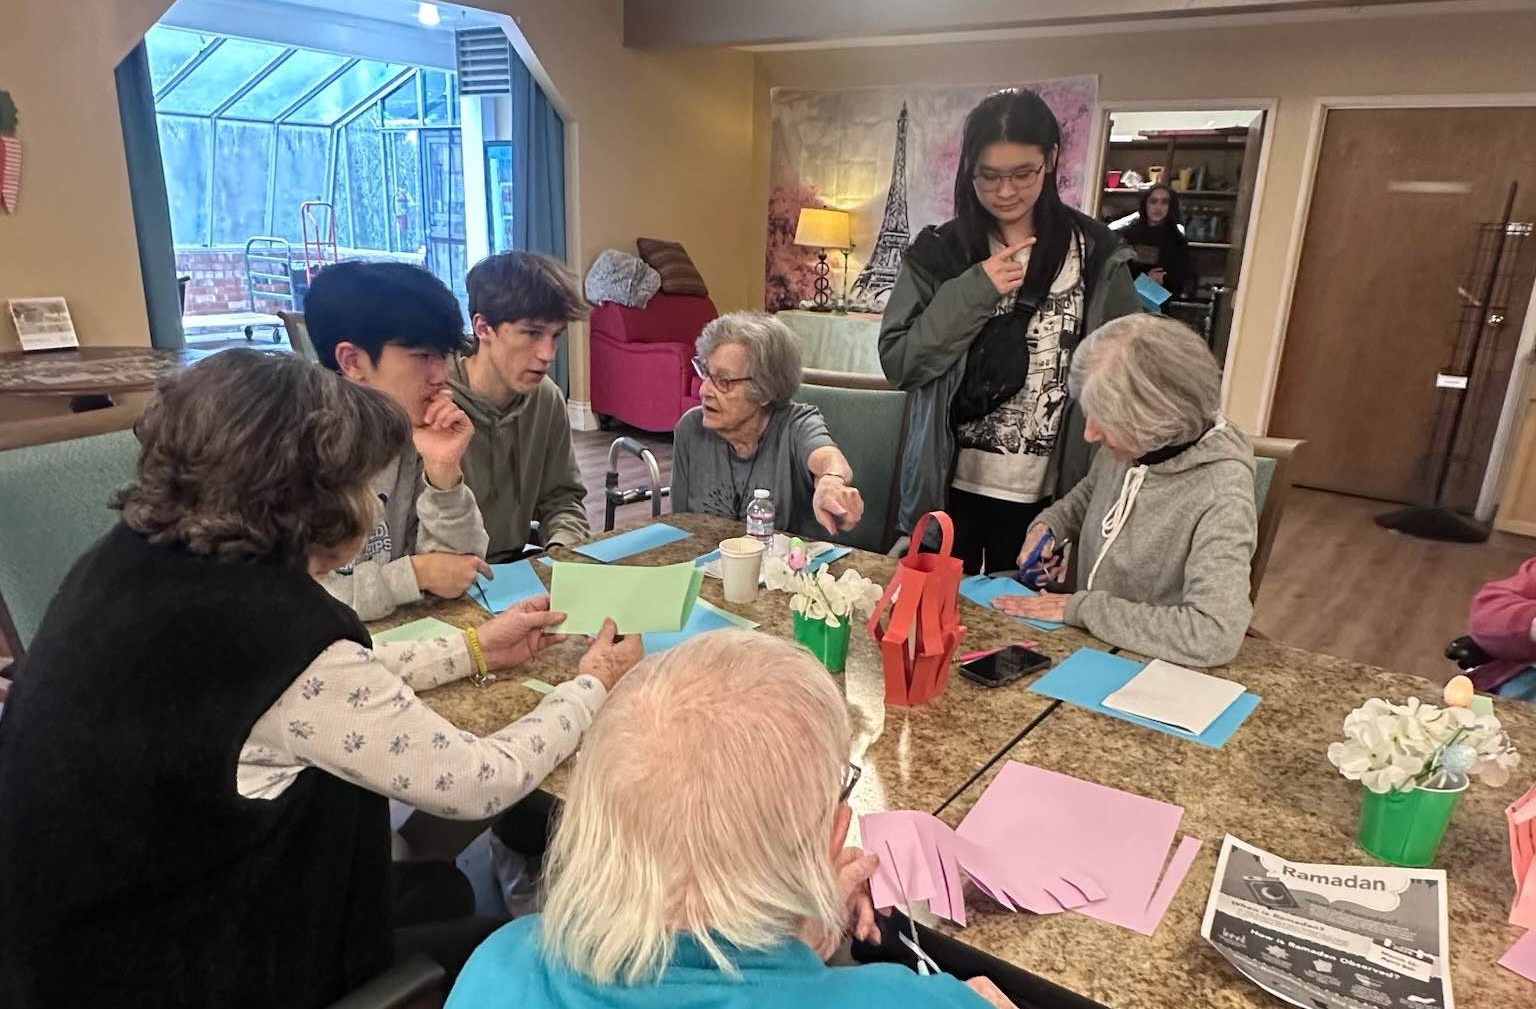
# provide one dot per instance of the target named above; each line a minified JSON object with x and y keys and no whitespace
{"x":1175,"y":696}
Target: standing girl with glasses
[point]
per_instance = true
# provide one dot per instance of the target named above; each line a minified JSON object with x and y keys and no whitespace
{"x":980,"y":330}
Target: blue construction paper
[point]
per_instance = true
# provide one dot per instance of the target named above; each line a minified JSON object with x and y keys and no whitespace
{"x":636,"y":541}
{"x":1087,"y":676}
{"x":513,"y":583}
{"x":704,"y":618}
{"x":704,"y":559}
{"x":827,"y":556}
{"x":981,"y":590}
{"x":1152,"y":293}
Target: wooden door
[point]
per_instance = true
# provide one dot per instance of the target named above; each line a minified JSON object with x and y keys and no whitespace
{"x":1390,"y":236}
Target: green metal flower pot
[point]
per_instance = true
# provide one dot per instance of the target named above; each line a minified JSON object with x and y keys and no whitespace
{"x":1405,"y":828}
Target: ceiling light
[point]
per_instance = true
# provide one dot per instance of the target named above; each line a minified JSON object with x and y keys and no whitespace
{"x":427,"y":14}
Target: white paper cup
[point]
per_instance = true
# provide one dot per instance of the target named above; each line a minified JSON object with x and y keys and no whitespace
{"x":741,"y":564}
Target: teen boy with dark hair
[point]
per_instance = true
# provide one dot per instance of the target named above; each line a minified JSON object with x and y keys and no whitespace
{"x":392,"y":326}
{"x":520,"y":462}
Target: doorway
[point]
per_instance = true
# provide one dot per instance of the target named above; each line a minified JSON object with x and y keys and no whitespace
{"x":1212,"y":160}
{"x":1393,"y":265}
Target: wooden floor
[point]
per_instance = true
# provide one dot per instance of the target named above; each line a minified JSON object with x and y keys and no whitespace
{"x":1340,"y":584}
{"x":1337,"y":583}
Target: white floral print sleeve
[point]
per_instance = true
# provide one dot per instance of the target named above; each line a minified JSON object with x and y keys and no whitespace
{"x":354,"y":713}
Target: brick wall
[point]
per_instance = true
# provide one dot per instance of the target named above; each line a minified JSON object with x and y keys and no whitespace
{"x":218,"y":276}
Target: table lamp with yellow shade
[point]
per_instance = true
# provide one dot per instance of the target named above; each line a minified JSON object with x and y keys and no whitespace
{"x":823,"y":229}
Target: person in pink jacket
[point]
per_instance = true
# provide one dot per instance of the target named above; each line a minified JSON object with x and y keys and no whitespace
{"x":1503,"y":622}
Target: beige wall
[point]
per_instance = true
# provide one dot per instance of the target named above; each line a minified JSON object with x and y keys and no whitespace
{"x":73,"y":233}
{"x":665,"y":144}
{"x":1294,"y":64}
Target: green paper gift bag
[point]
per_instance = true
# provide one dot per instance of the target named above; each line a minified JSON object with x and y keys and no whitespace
{"x":829,"y":644}
{"x":1405,"y":828}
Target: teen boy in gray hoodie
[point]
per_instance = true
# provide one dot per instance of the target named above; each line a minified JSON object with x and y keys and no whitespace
{"x":520,"y":462}
{"x":391,"y":326}
{"x":1164,"y":524}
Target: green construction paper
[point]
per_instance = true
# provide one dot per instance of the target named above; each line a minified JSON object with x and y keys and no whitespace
{"x":640,"y":600}
{"x":538,"y":686}
{"x":1481,"y":705}
{"x":417,"y":630}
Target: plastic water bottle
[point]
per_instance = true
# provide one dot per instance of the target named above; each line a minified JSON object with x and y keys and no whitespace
{"x":760,"y":515}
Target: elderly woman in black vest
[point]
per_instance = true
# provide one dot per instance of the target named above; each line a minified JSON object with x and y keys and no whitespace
{"x":195,"y":759}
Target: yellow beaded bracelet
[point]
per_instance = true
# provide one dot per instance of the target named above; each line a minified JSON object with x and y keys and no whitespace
{"x":482,"y":674}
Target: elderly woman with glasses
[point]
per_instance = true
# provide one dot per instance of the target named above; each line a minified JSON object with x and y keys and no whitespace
{"x":1164,"y":523}
{"x":749,"y":434}
{"x":683,"y":875}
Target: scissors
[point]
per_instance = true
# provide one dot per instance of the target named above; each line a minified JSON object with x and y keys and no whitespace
{"x":1032,"y":572}
{"x":925,"y":963}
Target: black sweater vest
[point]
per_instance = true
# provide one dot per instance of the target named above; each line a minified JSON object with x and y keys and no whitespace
{"x":132,"y":873}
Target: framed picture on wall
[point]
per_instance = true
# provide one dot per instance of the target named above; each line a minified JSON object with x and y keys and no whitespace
{"x":43,"y":323}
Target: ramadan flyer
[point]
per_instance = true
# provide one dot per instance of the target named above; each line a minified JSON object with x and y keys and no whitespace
{"x":1331,"y":936}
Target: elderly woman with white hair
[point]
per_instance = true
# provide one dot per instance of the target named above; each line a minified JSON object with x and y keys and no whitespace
{"x":749,"y":434}
{"x":699,"y":859}
{"x":1164,"y":523}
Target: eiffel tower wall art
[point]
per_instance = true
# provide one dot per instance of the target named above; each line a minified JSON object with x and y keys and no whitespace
{"x":888,"y":157}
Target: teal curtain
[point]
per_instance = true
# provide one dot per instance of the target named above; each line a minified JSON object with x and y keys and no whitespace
{"x":151,"y":208}
{"x":538,"y":181}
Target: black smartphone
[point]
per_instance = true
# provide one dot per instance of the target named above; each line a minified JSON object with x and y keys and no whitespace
{"x":1005,"y":666}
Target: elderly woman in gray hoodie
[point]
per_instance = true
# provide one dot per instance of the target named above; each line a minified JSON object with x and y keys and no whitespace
{"x":1164,"y":523}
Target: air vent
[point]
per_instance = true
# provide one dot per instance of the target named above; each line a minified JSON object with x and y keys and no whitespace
{"x":483,"y":56}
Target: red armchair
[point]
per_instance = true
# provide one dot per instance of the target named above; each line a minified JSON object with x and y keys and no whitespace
{"x":641,"y":373}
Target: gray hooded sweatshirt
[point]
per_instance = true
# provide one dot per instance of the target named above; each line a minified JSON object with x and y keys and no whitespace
{"x":413,"y":518}
{"x":1163,"y":551}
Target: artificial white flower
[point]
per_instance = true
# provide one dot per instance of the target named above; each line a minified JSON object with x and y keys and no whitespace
{"x":1390,"y":747}
{"x":820,"y":596}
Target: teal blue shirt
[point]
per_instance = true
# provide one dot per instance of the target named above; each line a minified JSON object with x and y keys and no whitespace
{"x":508,"y":971}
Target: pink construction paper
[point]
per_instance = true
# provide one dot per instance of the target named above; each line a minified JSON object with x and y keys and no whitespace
{"x":1521,"y":815}
{"x":1045,"y":820}
{"x":1521,"y":957}
{"x":1178,"y":868}
{"x":896,"y":839}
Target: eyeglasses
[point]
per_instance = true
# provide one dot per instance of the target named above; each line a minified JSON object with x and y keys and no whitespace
{"x":720,"y":382}
{"x":850,"y":779}
{"x":1022,"y":178}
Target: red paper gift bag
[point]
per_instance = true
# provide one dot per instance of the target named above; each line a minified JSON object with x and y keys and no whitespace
{"x":922,"y":628}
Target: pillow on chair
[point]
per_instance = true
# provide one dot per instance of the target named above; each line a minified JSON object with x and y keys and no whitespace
{"x":622,"y":278}
{"x":670,"y":259}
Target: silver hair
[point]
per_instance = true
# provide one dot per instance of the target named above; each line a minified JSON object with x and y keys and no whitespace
{"x":773,"y":353}
{"x":702,"y":802}
{"x":1148,"y":380}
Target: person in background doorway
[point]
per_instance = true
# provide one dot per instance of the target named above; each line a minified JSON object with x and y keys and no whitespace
{"x":1503,"y":622}
{"x":749,"y":433}
{"x":980,"y":330}
{"x":390,"y":327}
{"x":520,"y":462}
{"x":1165,"y":523}
{"x":1156,"y":233}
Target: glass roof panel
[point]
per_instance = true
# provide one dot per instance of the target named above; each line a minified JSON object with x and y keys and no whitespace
{"x":292,"y":80}
{"x":218,"y":77}
{"x":346,"y":91}
{"x":170,"y":50}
